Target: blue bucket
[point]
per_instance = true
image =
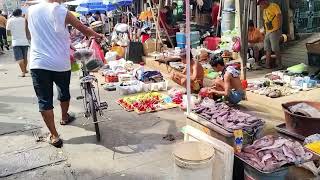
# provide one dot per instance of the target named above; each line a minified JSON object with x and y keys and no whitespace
{"x":180,"y":37}
{"x":181,"y":45}
{"x":194,"y":36}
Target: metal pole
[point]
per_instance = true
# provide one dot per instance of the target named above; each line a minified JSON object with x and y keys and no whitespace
{"x":244,"y":11}
{"x":188,"y":55}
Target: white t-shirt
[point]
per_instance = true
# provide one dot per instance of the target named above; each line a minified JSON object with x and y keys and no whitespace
{"x":50,"y":39}
{"x":121,"y":27}
{"x":17,"y":27}
{"x":103,"y":18}
{"x":91,"y":20}
{"x":84,"y":20}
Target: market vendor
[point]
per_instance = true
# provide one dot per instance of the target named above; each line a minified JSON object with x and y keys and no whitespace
{"x":229,"y":84}
{"x":215,"y":13}
{"x":165,"y":21}
{"x":255,"y":39}
{"x":196,"y":76}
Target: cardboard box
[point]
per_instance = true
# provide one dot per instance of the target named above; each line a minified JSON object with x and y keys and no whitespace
{"x":150,"y":46}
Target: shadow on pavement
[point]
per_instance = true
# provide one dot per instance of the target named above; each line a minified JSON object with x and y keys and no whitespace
{"x":14,"y":87}
{"x":11,"y":128}
{"x":130,"y":134}
{"x":18,"y":99}
{"x":5,"y":109}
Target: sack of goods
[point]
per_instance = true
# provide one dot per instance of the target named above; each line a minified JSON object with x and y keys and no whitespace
{"x":97,"y":26}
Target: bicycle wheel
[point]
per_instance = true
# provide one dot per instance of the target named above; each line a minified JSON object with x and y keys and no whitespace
{"x":93,"y":110}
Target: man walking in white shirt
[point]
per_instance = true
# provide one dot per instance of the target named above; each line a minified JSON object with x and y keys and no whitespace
{"x":16,"y":27}
{"x":50,"y":59}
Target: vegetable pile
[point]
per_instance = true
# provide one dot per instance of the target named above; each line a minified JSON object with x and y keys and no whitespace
{"x":141,"y":103}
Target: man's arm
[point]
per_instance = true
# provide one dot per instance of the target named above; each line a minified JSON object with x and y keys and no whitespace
{"x":73,"y":21}
{"x":8,"y":28}
{"x":279,"y":16}
{"x":8,"y":32}
{"x":194,"y":73}
{"x":27,"y":30}
{"x":227,"y":86}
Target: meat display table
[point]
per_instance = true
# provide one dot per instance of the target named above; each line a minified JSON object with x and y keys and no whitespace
{"x":212,"y":130}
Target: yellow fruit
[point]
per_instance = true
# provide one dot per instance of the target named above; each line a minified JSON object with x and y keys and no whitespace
{"x":315,"y":147}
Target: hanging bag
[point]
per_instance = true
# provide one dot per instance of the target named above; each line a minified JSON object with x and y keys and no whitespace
{"x":269,"y":22}
{"x":97,"y":51}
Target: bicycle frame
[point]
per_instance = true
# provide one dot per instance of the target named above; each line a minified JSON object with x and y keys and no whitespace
{"x":86,"y":85}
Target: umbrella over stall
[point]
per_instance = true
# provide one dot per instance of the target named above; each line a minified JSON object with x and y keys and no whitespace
{"x":96,"y":5}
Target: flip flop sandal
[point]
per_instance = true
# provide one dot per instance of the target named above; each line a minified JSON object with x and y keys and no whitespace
{"x":58,"y":143}
{"x":68,"y":121}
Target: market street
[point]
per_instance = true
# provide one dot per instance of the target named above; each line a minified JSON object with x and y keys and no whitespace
{"x":132,"y":145}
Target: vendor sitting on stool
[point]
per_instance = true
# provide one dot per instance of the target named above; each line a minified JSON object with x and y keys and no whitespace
{"x":196,"y":75}
{"x":255,"y":39}
{"x":229,"y":84}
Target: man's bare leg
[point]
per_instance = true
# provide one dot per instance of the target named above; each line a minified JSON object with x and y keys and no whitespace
{"x":183,"y":82}
{"x":256,"y":54}
{"x":48,"y":118}
{"x":268,"y":59}
{"x":279,"y":60}
{"x":22,"y":67}
{"x":26,"y":65}
{"x":64,"y":110}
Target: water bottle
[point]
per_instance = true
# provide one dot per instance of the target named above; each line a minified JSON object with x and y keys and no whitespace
{"x":140,"y":71}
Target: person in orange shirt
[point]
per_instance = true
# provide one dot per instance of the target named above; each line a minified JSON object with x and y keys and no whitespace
{"x":255,"y":39}
{"x":3,"y":33}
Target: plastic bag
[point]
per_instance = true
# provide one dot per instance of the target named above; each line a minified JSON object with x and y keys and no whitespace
{"x":74,"y":65}
{"x":97,"y":51}
{"x":237,"y":45}
{"x":72,"y":59}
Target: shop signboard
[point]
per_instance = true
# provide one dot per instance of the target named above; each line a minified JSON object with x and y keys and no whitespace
{"x":9,"y":5}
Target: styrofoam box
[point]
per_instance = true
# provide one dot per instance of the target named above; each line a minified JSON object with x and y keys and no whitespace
{"x":160,"y":86}
{"x":125,"y":77}
{"x":136,"y":87}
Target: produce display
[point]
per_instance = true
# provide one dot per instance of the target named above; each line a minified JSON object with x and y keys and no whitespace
{"x":146,"y":102}
{"x":228,"y":117}
{"x":270,"y":153}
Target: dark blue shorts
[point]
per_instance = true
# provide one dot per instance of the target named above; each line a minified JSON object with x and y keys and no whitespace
{"x":43,"y":85}
{"x":20,"y":52}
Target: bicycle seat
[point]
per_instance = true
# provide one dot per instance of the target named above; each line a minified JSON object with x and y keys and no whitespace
{"x":93,"y":65}
{"x":83,"y":54}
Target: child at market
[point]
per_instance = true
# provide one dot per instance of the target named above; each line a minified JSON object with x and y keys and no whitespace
{"x":196,"y":76}
{"x":229,"y":84}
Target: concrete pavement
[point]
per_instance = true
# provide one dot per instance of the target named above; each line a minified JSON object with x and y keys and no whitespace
{"x":131,"y":148}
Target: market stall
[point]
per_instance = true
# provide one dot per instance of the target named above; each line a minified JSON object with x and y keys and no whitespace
{"x":145,"y":90}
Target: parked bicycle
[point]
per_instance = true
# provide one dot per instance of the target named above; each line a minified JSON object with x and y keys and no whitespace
{"x":91,"y":102}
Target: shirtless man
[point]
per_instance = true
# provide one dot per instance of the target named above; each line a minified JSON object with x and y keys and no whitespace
{"x":197,"y":75}
{"x":229,"y":84}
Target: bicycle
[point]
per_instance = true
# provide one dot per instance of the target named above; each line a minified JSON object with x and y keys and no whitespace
{"x":92,"y":104}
